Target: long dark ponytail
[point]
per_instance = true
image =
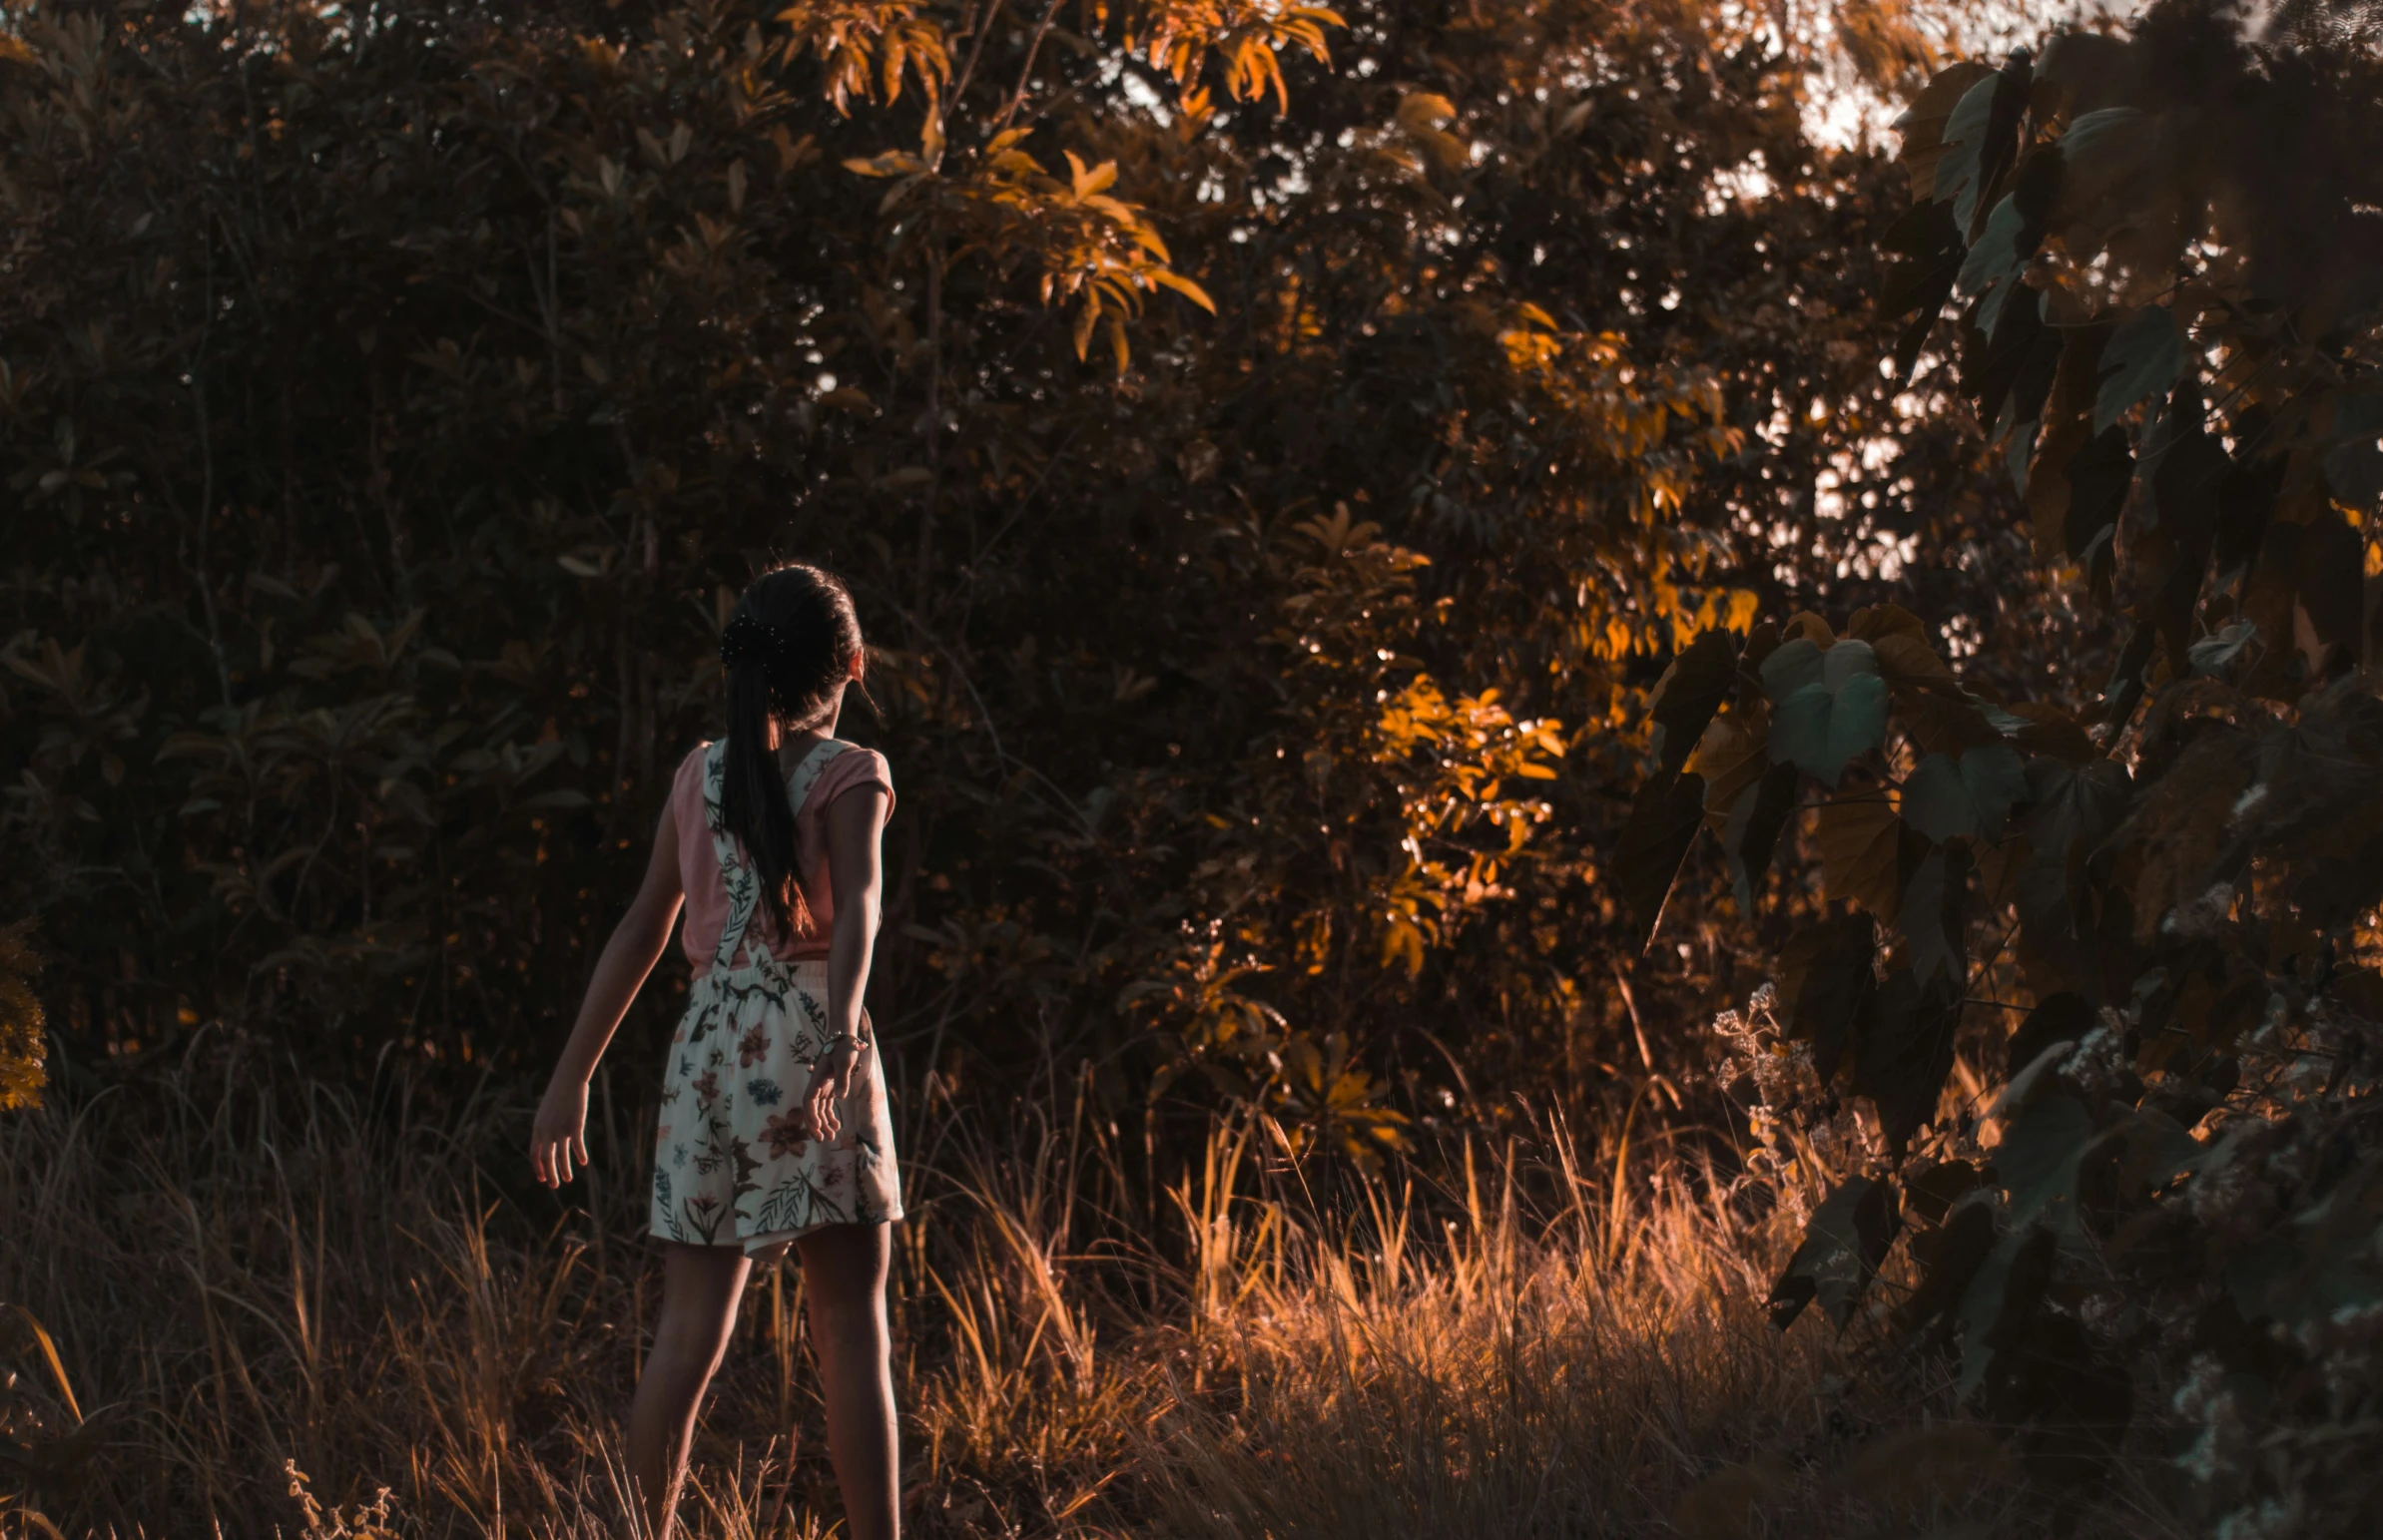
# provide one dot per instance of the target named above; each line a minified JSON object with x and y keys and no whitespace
{"x":791,"y":641}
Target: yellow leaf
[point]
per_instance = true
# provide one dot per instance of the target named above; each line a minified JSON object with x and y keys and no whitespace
{"x":1426,"y":110}
{"x":1166,"y":279}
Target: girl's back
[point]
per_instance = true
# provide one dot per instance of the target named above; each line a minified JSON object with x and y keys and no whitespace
{"x":821,"y":775}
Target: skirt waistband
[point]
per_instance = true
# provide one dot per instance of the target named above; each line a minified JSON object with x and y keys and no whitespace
{"x":803,"y":971}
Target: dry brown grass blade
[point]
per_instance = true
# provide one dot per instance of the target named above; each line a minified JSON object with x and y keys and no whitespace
{"x":356,"y":1300}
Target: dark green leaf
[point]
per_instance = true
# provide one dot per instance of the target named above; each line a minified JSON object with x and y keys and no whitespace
{"x":1751,"y":836}
{"x":1965,"y":137}
{"x":2038,"y":1158}
{"x":1902,"y":1062}
{"x":2354,"y":463}
{"x":1931,"y":914}
{"x":2071,"y":806}
{"x":1948,"y":1261}
{"x":1691,"y":690}
{"x":1831,"y":705}
{"x":2001,"y":1301}
{"x":1663,"y":823}
{"x":2141,"y":359}
{"x":1969,"y":798}
{"x":1995,"y":256}
{"x":1828,"y":984}
{"x":1842,"y":1247}
{"x":1931,"y":1190}
{"x":2217,"y":652}
{"x":2064,"y":1017}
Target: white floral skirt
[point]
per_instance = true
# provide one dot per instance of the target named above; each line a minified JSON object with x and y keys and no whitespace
{"x":734,"y":1164}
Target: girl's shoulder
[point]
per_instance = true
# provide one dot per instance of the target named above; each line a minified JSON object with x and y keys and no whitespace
{"x":853,"y":766}
{"x":691,"y":769}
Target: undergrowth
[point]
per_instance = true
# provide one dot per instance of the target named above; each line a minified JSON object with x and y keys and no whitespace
{"x":282,"y":1309}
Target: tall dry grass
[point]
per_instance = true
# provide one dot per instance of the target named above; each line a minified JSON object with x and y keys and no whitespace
{"x":290,"y":1310}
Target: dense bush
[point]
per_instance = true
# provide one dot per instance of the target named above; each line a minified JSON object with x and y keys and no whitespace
{"x":2157,"y":1196}
{"x":392,"y":395}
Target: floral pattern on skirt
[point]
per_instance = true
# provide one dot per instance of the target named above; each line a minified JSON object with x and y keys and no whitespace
{"x":734,"y":1164}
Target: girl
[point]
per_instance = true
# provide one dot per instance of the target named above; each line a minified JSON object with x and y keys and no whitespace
{"x":774,"y":1125}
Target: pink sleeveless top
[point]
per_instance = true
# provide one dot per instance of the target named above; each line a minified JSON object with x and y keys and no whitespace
{"x":699,"y":866}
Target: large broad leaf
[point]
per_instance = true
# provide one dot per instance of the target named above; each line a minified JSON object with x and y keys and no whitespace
{"x":1751,"y":836}
{"x":1933,"y":911}
{"x":2245,"y":501}
{"x":2102,"y":157}
{"x":2330,"y":586}
{"x":2013,"y":377}
{"x":1948,"y":1261}
{"x":2098,"y":476}
{"x":2061,"y":1017}
{"x":1980,"y":138}
{"x":2354,"y":463}
{"x":2219,"y":653}
{"x":1969,"y":798}
{"x":1827,"y":985}
{"x":1840,"y":1255}
{"x":1733,"y":754}
{"x":1932,"y":1188}
{"x":1920,"y":287}
{"x":2001,"y":1301}
{"x":1663,"y":823}
{"x":2047,"y":729}
{"x":1874,"y":623}
{"x":2038,"y":1159}
{"x":1923,"y":126}
{"x":1829,"y":704}
{"x":2141,"y":359}
{"x":1997,"y":254}
{"x":1862,"y":850}
{"x":2071,"y":806}
{"x":1793,"y":665}
{"x":1688,"y":694}
{"x":1956,"y":181}
{"x":1902,"y":1062}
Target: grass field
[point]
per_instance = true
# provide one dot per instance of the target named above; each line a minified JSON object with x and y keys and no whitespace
{"x":268,"y":1281}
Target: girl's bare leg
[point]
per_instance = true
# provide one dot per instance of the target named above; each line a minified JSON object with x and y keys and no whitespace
{"x":843,"y":1279}
{"x":699,"y":1289}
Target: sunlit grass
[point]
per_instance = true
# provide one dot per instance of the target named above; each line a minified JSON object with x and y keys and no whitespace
{"x":257,"y":1285}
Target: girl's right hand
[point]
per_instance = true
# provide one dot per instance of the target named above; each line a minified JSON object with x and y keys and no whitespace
{"x":558,"y":1135}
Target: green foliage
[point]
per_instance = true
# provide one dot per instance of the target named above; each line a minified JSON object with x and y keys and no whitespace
{"x":2170,"y":288}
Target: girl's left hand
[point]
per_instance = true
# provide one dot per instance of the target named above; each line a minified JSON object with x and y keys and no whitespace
{"x":830,"y":1081}
{"x":559,"y":1133}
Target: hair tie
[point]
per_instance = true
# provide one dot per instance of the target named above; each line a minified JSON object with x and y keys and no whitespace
{"x":746,"y":640}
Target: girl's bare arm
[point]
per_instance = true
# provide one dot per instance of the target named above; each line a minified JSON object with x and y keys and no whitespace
{"x":559,"y":1135}
{"x":855,"y":821}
